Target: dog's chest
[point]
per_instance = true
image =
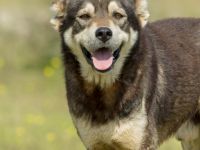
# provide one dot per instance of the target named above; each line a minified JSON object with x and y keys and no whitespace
{"x":126,"y":134}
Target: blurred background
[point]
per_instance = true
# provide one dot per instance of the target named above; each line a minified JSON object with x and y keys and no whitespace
{"x":33,"y":108}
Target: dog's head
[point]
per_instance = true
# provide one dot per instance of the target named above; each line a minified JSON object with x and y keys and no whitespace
{"x":100,"y":33}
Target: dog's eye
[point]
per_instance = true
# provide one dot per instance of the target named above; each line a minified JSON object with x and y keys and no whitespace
{"x":118,"y":15}
{"x":85,"y":17}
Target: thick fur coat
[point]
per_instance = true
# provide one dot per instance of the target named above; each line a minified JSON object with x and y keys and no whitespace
{"x":152,"y":90}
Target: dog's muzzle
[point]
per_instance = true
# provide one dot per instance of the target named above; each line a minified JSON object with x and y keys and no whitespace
{"x":102,"y":59}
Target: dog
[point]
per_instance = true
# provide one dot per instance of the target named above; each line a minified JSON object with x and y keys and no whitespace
{"x":130,"y":84}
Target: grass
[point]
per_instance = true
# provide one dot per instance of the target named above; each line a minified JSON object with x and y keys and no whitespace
{"x":38,"y":120}
{"x":33,"y":109}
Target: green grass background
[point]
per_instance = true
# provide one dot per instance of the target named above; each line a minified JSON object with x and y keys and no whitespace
{"x":33,"y":108}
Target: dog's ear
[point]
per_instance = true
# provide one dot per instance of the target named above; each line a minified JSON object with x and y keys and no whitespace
{"x":59,"y":8}
{"x":141,"y":10}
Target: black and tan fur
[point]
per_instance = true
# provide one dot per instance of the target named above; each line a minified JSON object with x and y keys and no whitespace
{"x":152,"y":91}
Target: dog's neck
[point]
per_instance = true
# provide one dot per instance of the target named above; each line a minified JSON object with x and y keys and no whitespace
{"x":102,"y":104}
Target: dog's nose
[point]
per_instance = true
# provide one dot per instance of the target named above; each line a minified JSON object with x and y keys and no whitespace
{"x":104,"y":34}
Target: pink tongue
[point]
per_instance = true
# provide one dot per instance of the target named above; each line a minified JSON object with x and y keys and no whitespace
{"x":102,"y":59}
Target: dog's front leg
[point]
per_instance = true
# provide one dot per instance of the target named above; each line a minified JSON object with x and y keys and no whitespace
{"x":191,"y":145}
{"x":189,"y":135}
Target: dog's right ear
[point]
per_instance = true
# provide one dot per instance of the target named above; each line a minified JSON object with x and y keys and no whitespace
{"x":59,"y":8}
{"x":141,"y":10}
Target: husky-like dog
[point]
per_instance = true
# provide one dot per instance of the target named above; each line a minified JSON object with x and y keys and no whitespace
{"x":130,"y":84}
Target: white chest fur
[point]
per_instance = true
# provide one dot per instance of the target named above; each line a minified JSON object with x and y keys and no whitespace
{"x":128,"y":133}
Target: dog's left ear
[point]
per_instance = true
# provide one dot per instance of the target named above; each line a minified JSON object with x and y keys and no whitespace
{"x":141,"y":10}
{"x":59,"y":8}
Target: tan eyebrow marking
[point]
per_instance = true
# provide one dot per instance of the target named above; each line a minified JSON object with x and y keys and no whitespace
{"x":89,"y":8}
{"x":113,"y":6}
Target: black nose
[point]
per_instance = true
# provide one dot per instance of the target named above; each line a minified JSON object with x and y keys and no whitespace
{"x":104,"y":34}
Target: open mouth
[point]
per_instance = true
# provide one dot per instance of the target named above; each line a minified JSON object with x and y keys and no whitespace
{"x":102,"y":59}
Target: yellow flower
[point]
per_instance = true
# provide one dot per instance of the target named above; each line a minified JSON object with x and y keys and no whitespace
{"x":48,"y":71}
{"x":56,"y":62}
{"x":50,"y":137}
{"x":20,"y":131}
